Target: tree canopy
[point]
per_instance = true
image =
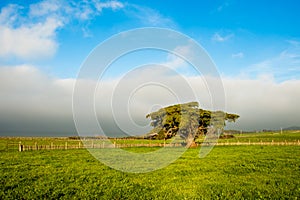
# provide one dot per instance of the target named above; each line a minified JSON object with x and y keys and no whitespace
{"x":187,"y":120}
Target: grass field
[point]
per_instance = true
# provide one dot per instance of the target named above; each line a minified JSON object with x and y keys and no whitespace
{"x":228,"y":172}
{"x":289,"y":136}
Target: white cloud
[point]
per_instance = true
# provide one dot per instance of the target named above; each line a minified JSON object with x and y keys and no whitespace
{"x":84,"y":10}
{"x":31,"y":33}
{"x":34,"y":103}
{"x":32,"y":41}
{"x":238,"y":55}
{"x":284,"y":66}
{"x":9,"y":14}
{"x":22,"y":38}
{"x":217,"y":37}
{"x":89,"y":9}
{"x":46,"y":7}
{"x":148,"y":16}
{"x":263,"y":103}
{"x":175,"y":61}
{"x":114,"y":5}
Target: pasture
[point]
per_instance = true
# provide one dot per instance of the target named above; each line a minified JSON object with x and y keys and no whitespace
{"x":228,"y":172}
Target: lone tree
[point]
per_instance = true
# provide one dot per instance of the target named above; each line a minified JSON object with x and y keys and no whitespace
{"x":187,"y":120}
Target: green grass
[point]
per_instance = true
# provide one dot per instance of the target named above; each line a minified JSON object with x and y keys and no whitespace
{"x":289,"y":136}
{"x":229,"y":172}
{"x":269,"y":136}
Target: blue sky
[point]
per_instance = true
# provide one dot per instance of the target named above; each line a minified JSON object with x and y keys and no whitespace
{"x":254,"y":44}
{"x":237,"y":35}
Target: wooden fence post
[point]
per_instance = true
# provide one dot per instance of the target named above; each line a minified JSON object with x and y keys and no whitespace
{"x":66,"y":145}
{"x":20,"y":147}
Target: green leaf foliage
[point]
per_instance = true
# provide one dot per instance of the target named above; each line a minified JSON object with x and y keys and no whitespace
{"x":188,"y":120}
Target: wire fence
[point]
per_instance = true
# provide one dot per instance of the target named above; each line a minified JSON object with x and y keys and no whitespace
{"x":93,"y":145}
{"x":29,"y":145}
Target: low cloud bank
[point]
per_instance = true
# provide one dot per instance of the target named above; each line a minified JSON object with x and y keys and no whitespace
{"x":34,"y":104}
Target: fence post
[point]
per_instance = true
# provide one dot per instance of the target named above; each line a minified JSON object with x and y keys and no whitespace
{"x":164,"y":142}
{"x":20,"y":146}
{"x":66,"y":145}
{"x":79,"y":145}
